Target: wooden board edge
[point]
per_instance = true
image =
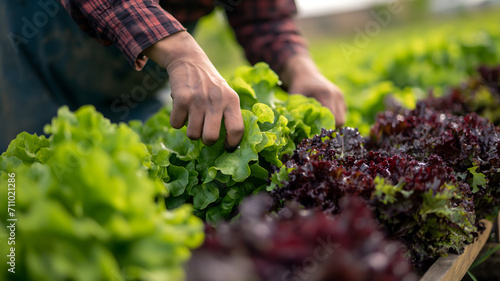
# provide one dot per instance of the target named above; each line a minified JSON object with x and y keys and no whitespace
{"x":454,"y":267}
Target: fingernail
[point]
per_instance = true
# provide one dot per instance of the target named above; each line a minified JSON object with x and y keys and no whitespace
{"x":230,"y":149}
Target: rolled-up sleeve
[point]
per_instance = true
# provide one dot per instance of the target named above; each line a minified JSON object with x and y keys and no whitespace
{"x":132,"y":25}
{"x":266,"y":29}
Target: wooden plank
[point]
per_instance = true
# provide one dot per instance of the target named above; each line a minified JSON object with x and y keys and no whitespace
{"x":454,"y":267}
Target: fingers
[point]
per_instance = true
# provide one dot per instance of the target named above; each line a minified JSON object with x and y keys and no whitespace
{"x":211,"y":127}
{"x":233,"y":121}
{"x":329,"y":95}
{"x":235,"y":128}
{"x":179,"y":113}
{"x":205,"y":115}
{"x":339,"y":109}
{"x":339,"y":112}
{"x":183,"y":107}
{"x":195,"y":124}
{"x":201,"y":124}
{"x":335,"y":103}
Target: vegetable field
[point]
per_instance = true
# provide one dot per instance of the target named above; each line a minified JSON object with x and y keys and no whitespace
{"x":406,"y":182}
{"x":401,"y":61}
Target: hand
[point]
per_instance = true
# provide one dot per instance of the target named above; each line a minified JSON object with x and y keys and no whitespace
{"x":301,"y":76}
{"x":199,"y":93}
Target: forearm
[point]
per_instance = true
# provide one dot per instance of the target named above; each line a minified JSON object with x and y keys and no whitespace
{"x":174,"y":49}
{"x":301,"y":76}
{"x":296,"y":65}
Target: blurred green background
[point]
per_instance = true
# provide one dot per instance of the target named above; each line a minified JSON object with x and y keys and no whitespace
{"x":416,"y":51}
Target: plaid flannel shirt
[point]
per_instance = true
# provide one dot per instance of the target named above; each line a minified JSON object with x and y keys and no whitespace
{"x":265,"y":28}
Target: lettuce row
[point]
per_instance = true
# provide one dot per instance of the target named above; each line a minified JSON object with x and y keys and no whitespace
{"x":420,"y":203}
{"x":85,"y":206}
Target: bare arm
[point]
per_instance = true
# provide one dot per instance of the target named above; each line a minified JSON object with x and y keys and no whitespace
{"x":268,"y":32}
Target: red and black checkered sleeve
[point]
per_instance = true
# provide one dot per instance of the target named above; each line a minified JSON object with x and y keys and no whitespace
{"x":133,"y":25}
{"x":266,"y":29}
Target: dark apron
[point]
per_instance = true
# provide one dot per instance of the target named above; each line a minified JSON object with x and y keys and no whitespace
{"x":47,"y":62}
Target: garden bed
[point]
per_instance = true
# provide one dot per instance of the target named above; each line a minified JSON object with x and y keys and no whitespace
{"x":454,"y":267}
{"x":340,"y":206}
